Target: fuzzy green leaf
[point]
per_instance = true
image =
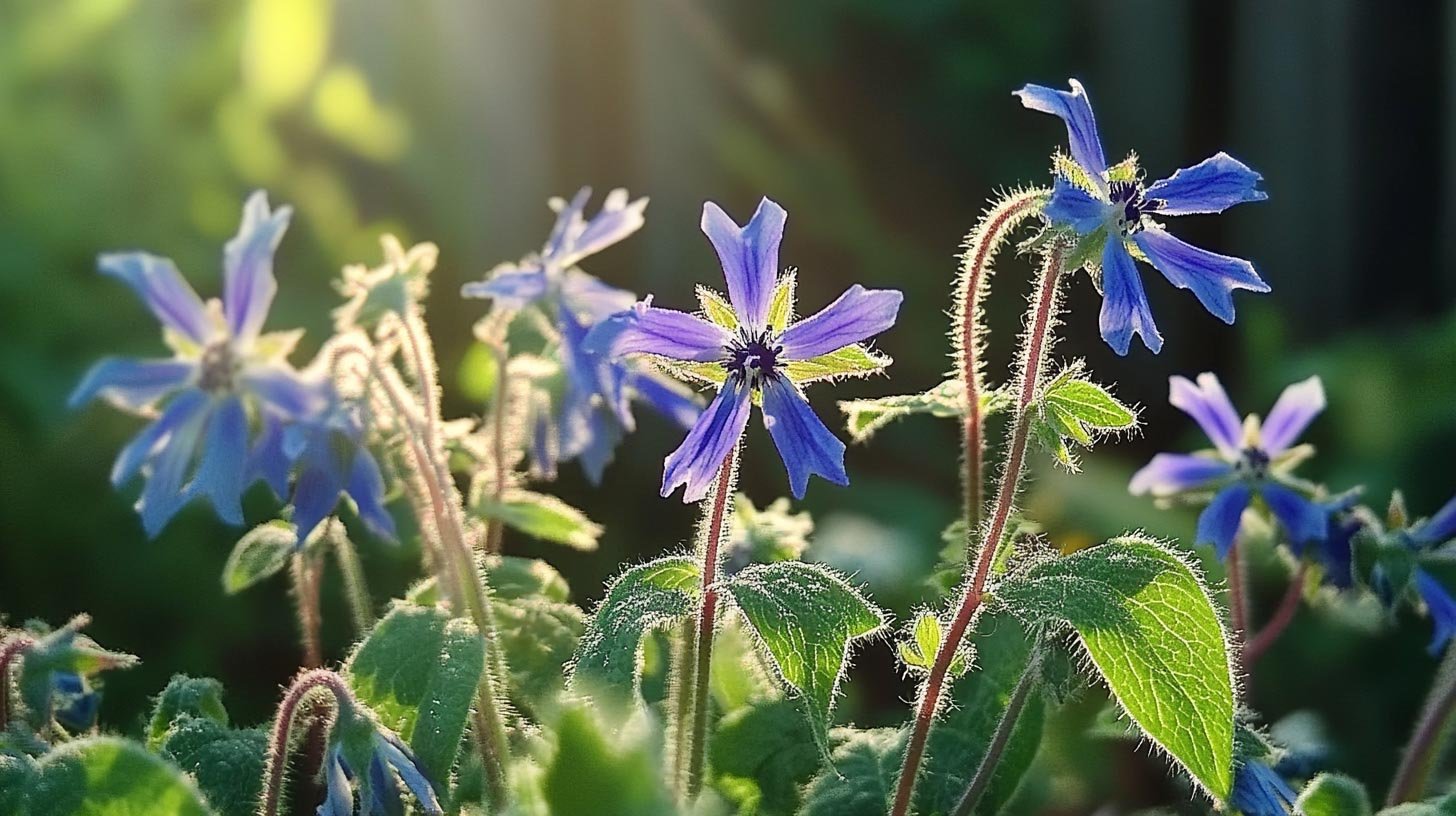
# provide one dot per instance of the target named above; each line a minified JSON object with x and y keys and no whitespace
{"x":538,"y":637}
{"x":541,"y":516}
{"x":259,"y":554}
{"x":1089,"y":404}
{"x":770,"y":744}
{"x":185,"y":696}
{"x":227,"y":763}
{"x":512,"y":577}
{"x":851,"y":361}
{"x":597,"y":769}
{"x":418,"y":671}
{"x":864,"y":417}
{"x":862,"y":779}
{"x":806,"y":618}
{"x":642,"y":599}
{"x":106,"y":776}
{"x":1333,"y":795}
{"x":1152,"y":632}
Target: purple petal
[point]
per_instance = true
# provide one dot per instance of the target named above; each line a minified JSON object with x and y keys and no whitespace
{"x":857,"y":315}
{"x":1260,"y":791}
{"x":617,"y":220}
{"x":1170,"y":473}
{"x":587,"y":295}
{"x":667,"y":397}
{"x":267,"y":461}
{"x":594,"y":443}
{"x":568,"y":221}
{"x":224,"y":463}
{"x":248,"y":283}
{"x":1212,"y":277}
{"x":1297,"y":407}
{"x":647,"y":330}
{"x":514,"y":287}
{"x":1071,"y":206}
{"x":1125,"y":310}
{"x":805,"y":445}
{"x":1439,"y":527}
{"x":340,"y":798}
{"x":1303,"y":520}
{"x":1441,"y":607}
{"x":1076,"y":110}
{"x":285,"y":389}
{"x":315,"y":495}
{"x":1211,"y":186}
{"x":162,"y":496}
{"x":163,"y":289}
{"x":750,"y":257}
{"x":132,"y":384}
{"x":366,"y":488}
{"x":1218,"y":524}
{"x":1210,"y":407}
{"x":182,"y":409}
{"x":696,"y":461}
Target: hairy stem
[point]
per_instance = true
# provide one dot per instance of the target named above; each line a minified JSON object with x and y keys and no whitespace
{"x":682,"y":704}
{"x":970,"y":333}
{"x":1238,"y":605}
{"x":306,"y":600}
{"x":1430,"y":736}
{"x":361,"y":604}
{"x":1257,"y":645}
{"x":10,"y":651}
{"x":495,"y":530}
{"x":1036,"y":341}
{"x":275,"y":767}
{"x":717,"y":506}
{"x":986,"y":770}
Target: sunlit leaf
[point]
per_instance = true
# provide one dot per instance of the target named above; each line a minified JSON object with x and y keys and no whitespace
{"x":642,"y":599}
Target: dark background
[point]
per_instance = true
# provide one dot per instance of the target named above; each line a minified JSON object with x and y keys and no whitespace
{"x":882,"y":127}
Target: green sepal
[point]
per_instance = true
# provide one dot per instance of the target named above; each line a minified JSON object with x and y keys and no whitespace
{"x":781,"y":306}
{"x":853,"y":360}
{"x":717,"y":309}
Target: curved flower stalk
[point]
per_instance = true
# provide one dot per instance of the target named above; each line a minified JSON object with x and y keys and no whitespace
{"x":1113,"y":213}
{"x":747,"y":346}
{"x":584,"y":416}
{"x":225,"y":381}
{"x":1250,"y":459}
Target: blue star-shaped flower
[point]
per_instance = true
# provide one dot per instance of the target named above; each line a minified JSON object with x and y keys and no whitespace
{"x":380,"y":793}
{"x":1111,"y":205}
{"x":594,"y":412}
{"x":224,"y":375}
{"x":1248,"y":460}
{"x":751,"y":355}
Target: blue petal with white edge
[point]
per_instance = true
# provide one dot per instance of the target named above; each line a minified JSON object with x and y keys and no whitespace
{"x":512,"y":286}
{"x":696,"y":461}
{"x":222,"y":470}
{"x":750,"y":257}
{"x":132,"y":384}
{"x":1171,"y":473}
{"x":1071,"y":206}
{"x":182,"y":409}
{"x":1211,"y":277}
{"x":856,"y":315}
{"x":1211,"y":186}
{"x":644,"y":329}
{"x":1437,"y":528}
{"x":1441,"y":607}
{"x":1075,"y":109}
{"x":163,"y":289}
{"x":1218,"y":524}
{"x":1210,"y":407}
{"x":1125,"y":309}
{"x":392,"y":751}
{"x":1302,"y":519}
{"x":805,"y":445}
{"x":1297,"y":407}
{"x":248,"y":282}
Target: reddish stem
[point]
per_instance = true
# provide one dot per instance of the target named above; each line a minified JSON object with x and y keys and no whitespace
{"x":306,"y":595}
{"x":278,"y":744}
{"x":707,"y":620}
{"x":1257,"y":645}
{"x":1037,"y":338}
{"x":1238,"y":605}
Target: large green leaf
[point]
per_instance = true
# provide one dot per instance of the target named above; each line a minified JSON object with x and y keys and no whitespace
{"x":599,"y":769}
{"x":642,"y":599}
{"x":1152,"y":632}
{"x":539,"y":637}
{"x":769,"y":745}
{"x":106,"y":776}
{"x":866,"y":766}
{"x":418,"y":671}
{"x":226,"y":762}
{"x":541,"y":516}
{"x":806,"y":618}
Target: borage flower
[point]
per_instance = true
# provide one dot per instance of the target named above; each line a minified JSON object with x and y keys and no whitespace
{"x":592,"y":411}
{"x":1260,"y":791}
{"x":378,"y":793}
{"x":1112,"y":212}
{"x":747,"y":347}
{"x":333,"y":464}
{"x":1417,"y":560}
{"x":1249,"y":460}
{"x":224,"y":370}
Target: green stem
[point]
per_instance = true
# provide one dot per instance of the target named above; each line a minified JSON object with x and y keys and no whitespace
{"x":717,"y":507}
{"x":495,"y":530}
{"x":361,"y":604}
{"x":986,"y":770}
{"x":1036,"y":342}
{"x":1238,"y":605}
{"x":306,"y":602}
{"x":682,"y":704}
{"x":1266,"y":637}
{"x":1429,"y":739}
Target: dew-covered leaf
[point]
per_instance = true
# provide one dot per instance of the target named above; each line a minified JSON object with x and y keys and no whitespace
{"x":259,"y":554}
{"x":185,"y":696}
{"x":107,"y":776}
{"x":541,"y":516}
{"x":806,"y":618}
{"x":640,"y":600}
{"x":1152,"y":632}
{"x":418,"y":671}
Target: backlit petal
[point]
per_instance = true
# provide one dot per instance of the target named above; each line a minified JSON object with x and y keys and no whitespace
{"x":805,"y":445}
{"x":856,"y":315}
{"x":697,"y":460}
{"x":750,"y":257}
